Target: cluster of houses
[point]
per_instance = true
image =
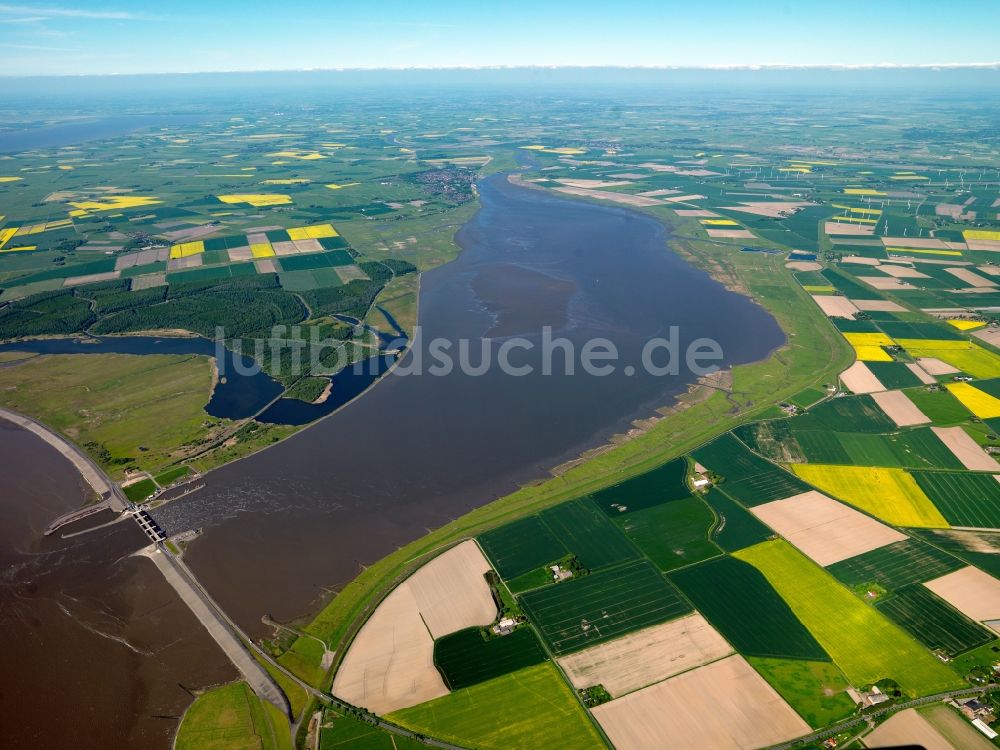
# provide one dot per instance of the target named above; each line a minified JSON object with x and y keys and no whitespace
{"x":980,"y":714}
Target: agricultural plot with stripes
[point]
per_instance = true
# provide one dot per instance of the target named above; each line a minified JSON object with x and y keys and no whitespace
{"x":933,"y":622}
{"x":469,"y":657}
{"x":748,"y":478}
{"x":964,"y":498}
{"x":895,"y":565}
{"x":745,"y":608}
{"x":596,"y":608}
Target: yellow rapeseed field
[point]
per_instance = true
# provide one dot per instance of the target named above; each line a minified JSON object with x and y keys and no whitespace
{"x":981,"y":234}
{"x":868,"y":339}
{"x":314,"y":232}
{"x":923,"y":251}
{"x":10,"y":179}
{"x":258,"y":200}
{"x":301,"y":155}
{"x":44,"y":227}
{"x":6,"y":234}
{"x":871,"y":354}
{"x":966,"y":325}
{"x":720,"y":222}
{"x":116,"y":203}
{"x":856,"y":219}
{"x":865,"y":644}
{"x":887,"y":493}
{"x":965,"y":355}
{"x":980,"y":403}
{"x":262,"y":250}
{"x":185,"y":249}
{"x":563,"y":150}
{"x":862,"y":191}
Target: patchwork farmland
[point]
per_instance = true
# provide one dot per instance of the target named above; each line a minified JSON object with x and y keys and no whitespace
{"x":820,"y":528}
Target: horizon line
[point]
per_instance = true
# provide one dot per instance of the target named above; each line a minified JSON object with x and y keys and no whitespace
{"x":748,"y":67}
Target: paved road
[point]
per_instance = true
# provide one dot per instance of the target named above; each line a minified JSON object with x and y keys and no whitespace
{"x":215,"y":623}
{"x":830,"y":731}
{"x":326,"y":698}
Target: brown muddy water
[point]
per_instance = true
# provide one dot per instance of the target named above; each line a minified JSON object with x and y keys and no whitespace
{"x":100,"y":653}
{"x":285,"y":527}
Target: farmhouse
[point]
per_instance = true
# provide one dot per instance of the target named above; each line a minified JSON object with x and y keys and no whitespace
{"x":505,"y":626}
{"x":865,"y":699}
{"x":559,"y":573}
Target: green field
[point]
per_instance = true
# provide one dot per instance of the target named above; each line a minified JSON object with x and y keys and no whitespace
{"x":231,"y":717}
{"x":847,"y":414}
{"x":303,"y":659}
{"x":588,"y":534}
{"x":745,"y":608}
{"x":808,"y":397}
{"x":914,"y":448}
{"x":941,"y":407}
{"x":139,"y":491}
{"x":895,"y":565}
{"x":530,"y":708}
{"x":978,"y":548}
{"x":585,"y":611}
{"x":920,"y":329}
{"x":815,"y":689}
{"x":152,"y":402}
{"x":964,"y":498}
{"x":171,"y":475}
{"x":673,"y":534}
{"x":893,"y":374}
{"x":863,"y":643}
{"x":783,"y":440}
{"x":533,"y":579}
{"x":466,"y":658}
{"x":521,"y":546}
{"x":344,"y":732}
{"x":736,"y":527}
{"x":774,"y":440}
{"x":660,"y":485}
{"x":748,"y":478}
{"x":933,"y":622}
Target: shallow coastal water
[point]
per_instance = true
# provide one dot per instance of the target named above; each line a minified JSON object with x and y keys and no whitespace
{"x":98,"y":650}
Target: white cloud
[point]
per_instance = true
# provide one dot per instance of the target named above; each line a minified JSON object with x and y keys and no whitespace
{"x":36,"y":48}
{"x":34,"y":13}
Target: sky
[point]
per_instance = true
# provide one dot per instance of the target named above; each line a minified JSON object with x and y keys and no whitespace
{"x":186,"y":36}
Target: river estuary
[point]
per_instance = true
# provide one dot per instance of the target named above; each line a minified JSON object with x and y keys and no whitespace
{"x":105,"y":652}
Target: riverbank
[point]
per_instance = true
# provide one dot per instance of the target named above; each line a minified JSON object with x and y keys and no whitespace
{"x":88,"y":470}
